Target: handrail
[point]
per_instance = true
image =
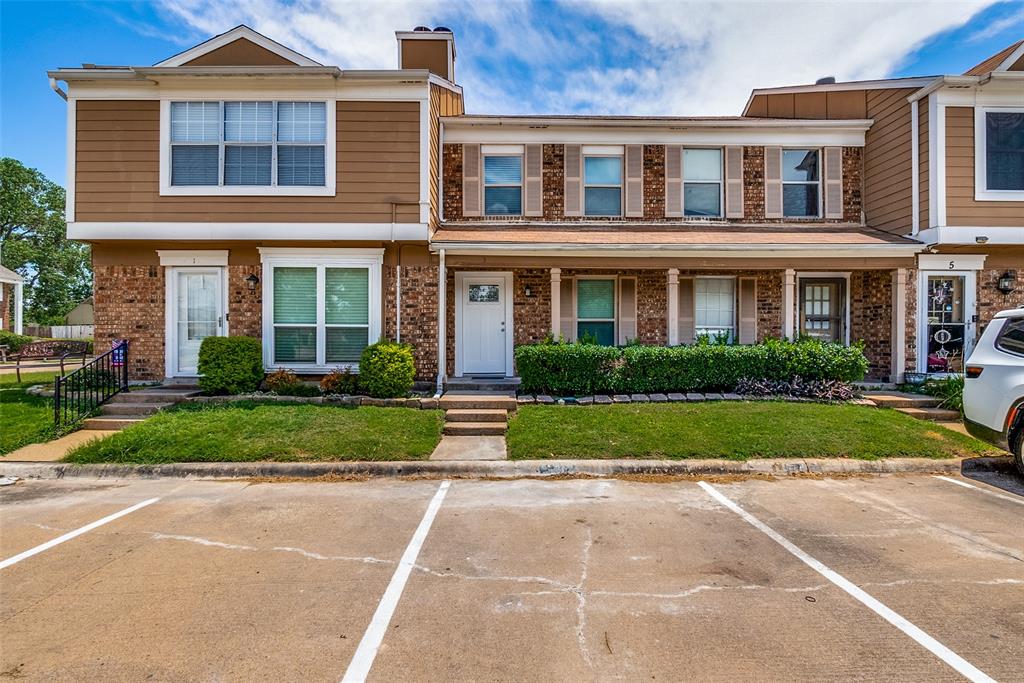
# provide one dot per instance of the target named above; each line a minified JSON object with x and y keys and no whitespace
{"x":77,"y":395}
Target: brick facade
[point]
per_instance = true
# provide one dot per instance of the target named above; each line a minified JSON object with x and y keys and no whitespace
{"x":129,"y":304}
{"x":6,"y":306}
{"x":553,"y":184}
{"x":871,"y":319}
{"x":419,"y":314}
{"x":991,"y":300}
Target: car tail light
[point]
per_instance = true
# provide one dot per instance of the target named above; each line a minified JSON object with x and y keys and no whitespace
{"x":974,"y":371}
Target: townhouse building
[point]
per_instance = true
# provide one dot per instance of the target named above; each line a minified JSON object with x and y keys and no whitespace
{"x":241,"y":188}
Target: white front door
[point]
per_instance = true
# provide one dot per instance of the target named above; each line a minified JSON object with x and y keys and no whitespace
{"x":484,"y":332}
{"x":198,"y":312}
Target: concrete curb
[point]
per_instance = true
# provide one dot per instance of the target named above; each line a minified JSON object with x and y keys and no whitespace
{"x":507,"y":469}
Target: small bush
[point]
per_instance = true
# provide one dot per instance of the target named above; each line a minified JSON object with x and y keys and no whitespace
{"x":340,"y":382}
{"x":819,"y":390}
{"x":575,"y":369}
{"x":950,"y":390}
{"x":13,"y":341}
{"x":386,"y":370}
{"x":230,"y":365}
{"x":286,"y":383}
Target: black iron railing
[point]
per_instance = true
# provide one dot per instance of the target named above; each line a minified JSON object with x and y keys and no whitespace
{"x":77,"y":395}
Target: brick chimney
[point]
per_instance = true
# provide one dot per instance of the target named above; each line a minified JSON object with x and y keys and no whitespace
{"x":423,"y":48}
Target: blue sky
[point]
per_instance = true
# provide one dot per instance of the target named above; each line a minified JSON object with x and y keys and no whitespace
{"x":513,"y":57}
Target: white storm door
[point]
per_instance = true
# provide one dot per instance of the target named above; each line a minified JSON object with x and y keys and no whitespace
{"x":198,"y":313}
{"x":484,"y":325}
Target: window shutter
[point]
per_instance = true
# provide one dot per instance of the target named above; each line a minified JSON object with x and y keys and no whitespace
{"x":471,"y":180}
{"x":833,"y":182}
{"x":627,"y":309}
{"x":634,"y":181}
{"x":734,"y":181}
{"x":747,"y":310}
{"x":567,"y":326}
{"x":687,"y":323}
{"x":573,"y":180}
{"x":673,"y":181}
{"x":773,"y":182}
{"x":533,"y":182}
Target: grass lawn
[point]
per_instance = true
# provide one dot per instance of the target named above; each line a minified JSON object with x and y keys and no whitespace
{"x":729,"y":430}
{"x":24,"y":419}
{"x":247,"y":430}
{"x":28,"y":379}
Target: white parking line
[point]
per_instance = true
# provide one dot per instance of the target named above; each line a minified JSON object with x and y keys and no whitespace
{"x":74,"y":534}
{"x":1018,"y":501}
{"x":362,"y":660}
{"x":961,"y":665}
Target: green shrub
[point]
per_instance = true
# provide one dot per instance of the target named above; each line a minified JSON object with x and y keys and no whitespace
{"x":950,"y":390}
{"x":230,"y":365}
{"x":13,"y":341}
{"x":386,"y":370}
{"x":286,"y":383}
{"x":340,"y":382}
{"x":577,"y":369}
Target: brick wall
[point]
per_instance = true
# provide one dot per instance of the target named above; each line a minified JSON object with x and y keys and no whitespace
{"x":871,"y":318}
{"x":245,"y":308}
{"x":654,"y":188}
{"x":991,"y":300}
{"x":6,"y":304}
{"x":129,"y":304}
{"x":419,"y":314}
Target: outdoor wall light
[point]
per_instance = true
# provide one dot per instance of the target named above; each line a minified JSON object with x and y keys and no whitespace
{"x":252,"y":281}
{"x":529,"y":291}
{"x":1006,"y":282}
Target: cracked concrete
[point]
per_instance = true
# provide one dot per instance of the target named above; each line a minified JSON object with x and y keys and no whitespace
{"x":517,"y":580}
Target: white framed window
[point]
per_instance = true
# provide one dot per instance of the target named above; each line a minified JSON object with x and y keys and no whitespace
{"x":321,"y":308}
{"x":602,"y":184}
{"x":236,"y":147}
{"x":714,"y":307}
{"x":999,"y":153}
{"x":503,"y":184}
{"x":702,"y":182}
{"x":801,"y":183}
{"x":595,"y":309}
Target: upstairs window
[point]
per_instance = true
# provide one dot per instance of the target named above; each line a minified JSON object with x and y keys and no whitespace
{"x":702,"y":183}
{"x":801,"y":183}
{"x":503,"y":185}
{"x":254,"y":144}
{"x":1004,"y":150}
{"x":602,"y":185}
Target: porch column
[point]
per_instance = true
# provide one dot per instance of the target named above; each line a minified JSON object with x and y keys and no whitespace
{"x":898,"y":352}
{"x":789,"y":304}
{"x":673,"y":306}
{"x":556,"y":303}
{"x":18,"y":305}
{"x":442,"y":323}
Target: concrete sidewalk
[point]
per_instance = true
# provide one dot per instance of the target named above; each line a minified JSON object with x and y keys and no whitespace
{"x":53,"y":451}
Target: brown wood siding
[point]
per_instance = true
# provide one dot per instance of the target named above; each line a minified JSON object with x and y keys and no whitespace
{"x":118,"y":156}
{"x":888,"y":197}
{"x":241,"y":52}
{"x":443,"y":102}
{"x":426,"y":54}
{"x":961,"y":207}
{"x":924,"y":168}
{"x":842,"y":104}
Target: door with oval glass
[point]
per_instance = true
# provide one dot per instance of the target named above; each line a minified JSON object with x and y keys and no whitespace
{"x":484,"y":329}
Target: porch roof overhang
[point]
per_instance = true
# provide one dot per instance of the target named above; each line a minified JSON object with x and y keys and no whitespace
{"x":749,"y":242}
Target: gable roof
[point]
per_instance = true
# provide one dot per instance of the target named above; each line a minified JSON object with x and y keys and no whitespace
{"x":9,"y":276}
{"x":1001,"y":61}
{"x":239,"y":42}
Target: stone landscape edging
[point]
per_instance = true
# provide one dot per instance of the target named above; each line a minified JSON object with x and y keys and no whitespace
{"x":508,"y":469}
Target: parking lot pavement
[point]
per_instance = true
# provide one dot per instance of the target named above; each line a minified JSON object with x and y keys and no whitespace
{"x":513,"y":580}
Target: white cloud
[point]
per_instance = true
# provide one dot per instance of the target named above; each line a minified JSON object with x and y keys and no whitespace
{"x":607,"y":56}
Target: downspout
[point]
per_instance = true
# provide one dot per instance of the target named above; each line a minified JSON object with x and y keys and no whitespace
{"x":442,"y":314}
{"x":56,"y":89}
{"x":398,"y":298}
{"x":915,"y":169}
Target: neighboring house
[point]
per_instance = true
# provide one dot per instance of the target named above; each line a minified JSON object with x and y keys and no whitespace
{"x":82,"y":314}
{"x":241,"y":188}
{"x":11,"y":300}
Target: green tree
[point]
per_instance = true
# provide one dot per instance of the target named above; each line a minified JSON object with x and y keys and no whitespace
{"x":33,"y":241}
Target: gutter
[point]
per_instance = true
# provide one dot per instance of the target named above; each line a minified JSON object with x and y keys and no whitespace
{"x":643,"y":122}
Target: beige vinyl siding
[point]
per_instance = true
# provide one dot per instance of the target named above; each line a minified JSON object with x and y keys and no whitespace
{"x":443,"y":102}
{"x":961,"y":207}
{"x":888,"y":169}
{"x":924,"y":168}
{"x":118,"y":155}
{"x":241,"y":52}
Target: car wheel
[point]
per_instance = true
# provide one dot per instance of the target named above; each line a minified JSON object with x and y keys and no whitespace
{"x":1018,"y":454}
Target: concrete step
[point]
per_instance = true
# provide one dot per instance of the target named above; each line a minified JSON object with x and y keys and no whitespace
{"x":154,"y":396}
{"x":111,"y":423}
{"x":931,"y":414}
{"x":502,"y":384}
{"x":899,"y":399}
{"x":481,"y":400}
{"x":122,"y":409}
{"x":469,"y":415}
{"x":474,"y":428}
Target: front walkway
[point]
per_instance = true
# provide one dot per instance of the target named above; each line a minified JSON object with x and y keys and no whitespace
{"x":54,"y":451}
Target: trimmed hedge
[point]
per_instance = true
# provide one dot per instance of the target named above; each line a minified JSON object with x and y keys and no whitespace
{"x":13,"y":341}
{"x":580,"y":369}
{"x":230,"y":365}
{"x":387,"y":370}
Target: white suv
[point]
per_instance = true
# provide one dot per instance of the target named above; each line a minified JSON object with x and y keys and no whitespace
{"x":994,"y":385}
